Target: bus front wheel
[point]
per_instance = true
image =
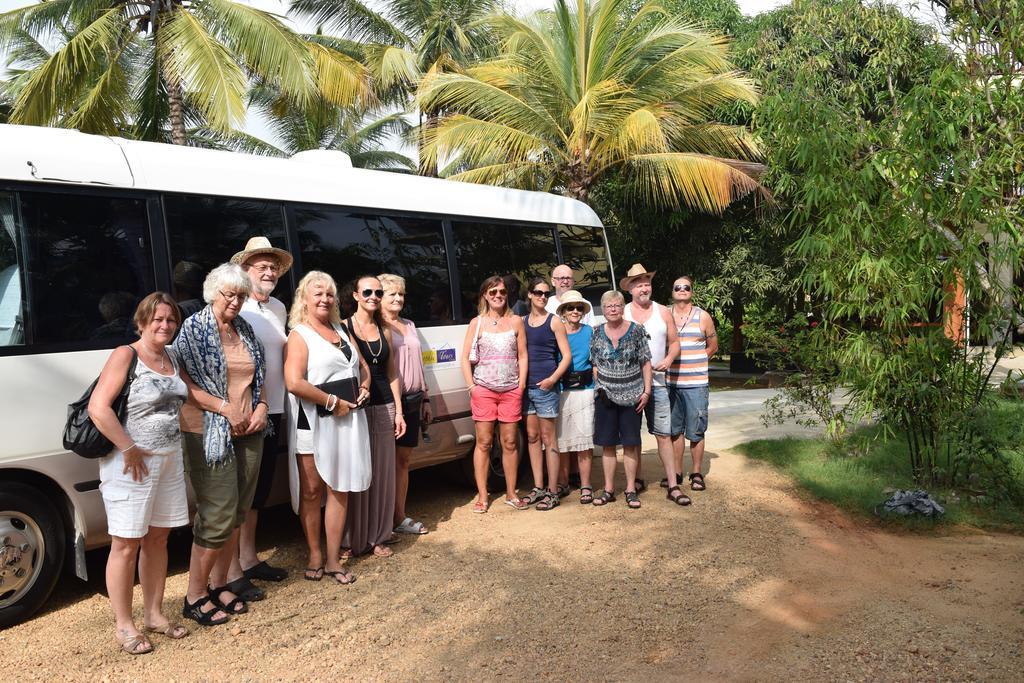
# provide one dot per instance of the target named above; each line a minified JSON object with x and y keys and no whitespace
{"x":31,"y":551}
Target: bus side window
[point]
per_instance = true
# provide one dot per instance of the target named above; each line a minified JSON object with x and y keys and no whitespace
{"x":204,"y":232}
{"x":584,"y":251}
{"x":485,"y":249}
{"x":89,"y":263}
{"x":347,"y":244}
{"x":12,"y":328}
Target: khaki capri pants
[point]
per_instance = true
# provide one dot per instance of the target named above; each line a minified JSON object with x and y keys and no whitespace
{"x":224,"y":493}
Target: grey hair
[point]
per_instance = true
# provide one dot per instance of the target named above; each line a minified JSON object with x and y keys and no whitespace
{"x":612,"y":295}
{"x":226,"y":275}
{"x":390,"y":281}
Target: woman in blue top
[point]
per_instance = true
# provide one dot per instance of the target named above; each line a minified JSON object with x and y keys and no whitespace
{"x":576,"y":409}
{"x":548,"y":351}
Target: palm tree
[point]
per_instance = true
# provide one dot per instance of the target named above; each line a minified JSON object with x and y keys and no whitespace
{"x":407,"y":39}
{"x":589,"y":89}
{"x":141,"y":67}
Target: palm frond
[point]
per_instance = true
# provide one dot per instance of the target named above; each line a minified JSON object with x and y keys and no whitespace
{"x":356,"y":19}
{"x":699,"y":181}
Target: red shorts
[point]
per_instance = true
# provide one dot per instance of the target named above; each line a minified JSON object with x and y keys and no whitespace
{"x":488,"y":406}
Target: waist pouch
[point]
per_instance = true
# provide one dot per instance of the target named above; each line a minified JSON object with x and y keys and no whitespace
{"x":577,"y":380}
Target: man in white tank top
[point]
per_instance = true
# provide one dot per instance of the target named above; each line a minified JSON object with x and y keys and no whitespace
{"x":657,"y":321}
{"x":563,"y":279}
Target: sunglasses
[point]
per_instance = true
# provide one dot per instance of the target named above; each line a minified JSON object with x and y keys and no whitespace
{"x":540,"y":292}
{"x":682,"y":288}
{"x":497,"y":292}
{"x":575,"y":308}
{"x":367,"y":293}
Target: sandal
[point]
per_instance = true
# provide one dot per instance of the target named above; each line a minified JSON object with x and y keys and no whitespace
{"x":408,"y":526}
{"x":548,"y":502}
{"x":245,"y":590}
{"x":697,"y":482}
{"x":342,"y":577}
{"x":261,"y":571}
{"x":562,"y":490}
{"x":235,"y":606}
{"x":586,"y":495}
{"x":535,"y":494}
{"x":313,"y":573}
{"x":380,"y":551}
{"x":681,"y":499}
{"x":641,"y":485}
{"x":517,"y":503}
{"x":135,"y":645}
{"x":172,"y":631}
{"x":664,"y":482}
{"x":194,"y":611}
{"x":633,"y":500}
{"x":604,"y":497}
{"x":480,"y":507}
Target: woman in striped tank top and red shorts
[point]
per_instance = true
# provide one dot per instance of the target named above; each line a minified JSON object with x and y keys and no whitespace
{"x":688,"y":379}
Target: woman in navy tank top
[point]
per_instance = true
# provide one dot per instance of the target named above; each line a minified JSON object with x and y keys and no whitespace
{"x":549,"y":358}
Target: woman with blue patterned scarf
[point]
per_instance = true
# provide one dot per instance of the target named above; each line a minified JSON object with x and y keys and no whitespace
{"x":220,"y":353}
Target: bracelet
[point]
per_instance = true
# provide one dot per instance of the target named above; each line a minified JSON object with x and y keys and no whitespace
{"x":223,"y":402}
{"x":125,"y":450}
{"x":332,"y":402}
{"x":264,"y":403}
{"x":426,"y":400}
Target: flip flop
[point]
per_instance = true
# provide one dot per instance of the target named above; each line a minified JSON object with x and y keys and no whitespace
{"x":380,"y":551}
{"x":342,"y":577}
{"x":171,"y":630}
{"x":479,"y":507}
{"x":313,"y":573}
{"x":517,"y":503}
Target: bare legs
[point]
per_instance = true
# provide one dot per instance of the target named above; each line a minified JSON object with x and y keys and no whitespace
{"x":247,"y":541}
{"x":402,"y":455}
{"x":608,"y":463}
{"x":696,"y":453}
{"x":153,"y":574}
{"x":535,"y":447}
{"x":120,"y":577}
{"x":666,"y":450}
{"x":586,"y":459}
{"x":311,"y":491}
{"x":631,"y":463}
{"x":482,"y":457}
{"x":509,"y":458}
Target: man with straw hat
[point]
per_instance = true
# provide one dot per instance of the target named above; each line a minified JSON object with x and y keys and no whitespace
{"x":657,"y":322}
{"x":264,"y":264}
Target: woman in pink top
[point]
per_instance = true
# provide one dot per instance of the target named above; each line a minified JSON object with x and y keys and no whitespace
{"x":494,"y":364}
{"x":415,"y":400}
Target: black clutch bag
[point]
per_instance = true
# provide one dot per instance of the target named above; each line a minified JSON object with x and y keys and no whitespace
{"x":344,"y":389}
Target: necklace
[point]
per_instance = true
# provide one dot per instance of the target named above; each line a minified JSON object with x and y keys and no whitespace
{"x":494,"y":321}
{"x":162,"y":354}
{"x":686,"y":318}
{"x":374,"y":356}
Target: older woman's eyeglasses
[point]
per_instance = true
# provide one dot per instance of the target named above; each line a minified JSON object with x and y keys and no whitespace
{"x":367,"y":293}
{"x":497,"y":292}
{"x":231,"y":297}
{"x":612,"y":307}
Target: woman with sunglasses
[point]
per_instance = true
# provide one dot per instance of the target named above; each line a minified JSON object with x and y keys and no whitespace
{"x":576,"y":408}
{"x":369,"y":522}
{"x":549,"y":357}
{"x":494,"y":364}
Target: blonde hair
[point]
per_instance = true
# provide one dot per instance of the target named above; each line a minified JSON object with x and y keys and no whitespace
{"x":146,"y":310}
{"x":612,"y":295}
{"x":391,"y":281}
{"x":298,"y":314}
{"x":481,"y":302}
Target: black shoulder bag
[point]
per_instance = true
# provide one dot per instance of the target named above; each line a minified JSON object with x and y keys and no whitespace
{"x":80,"y":434}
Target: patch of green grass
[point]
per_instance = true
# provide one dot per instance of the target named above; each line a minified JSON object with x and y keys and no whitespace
{"x":857,"y":478}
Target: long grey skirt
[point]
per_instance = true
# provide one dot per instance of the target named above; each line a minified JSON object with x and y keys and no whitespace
{"x":371,"y":513}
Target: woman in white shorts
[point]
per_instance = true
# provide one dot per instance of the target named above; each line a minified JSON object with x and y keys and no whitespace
{"x":329,"y":448}
{"x":576,"y":413}
{"x":142,"y":480}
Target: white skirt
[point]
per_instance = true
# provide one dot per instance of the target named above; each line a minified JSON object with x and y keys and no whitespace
{"x":575,"y":427}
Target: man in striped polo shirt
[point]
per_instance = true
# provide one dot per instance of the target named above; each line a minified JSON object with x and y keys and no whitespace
{"x":688,"y":378}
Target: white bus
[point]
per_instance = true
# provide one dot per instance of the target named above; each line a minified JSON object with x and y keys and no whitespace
{"x":90,"y":224}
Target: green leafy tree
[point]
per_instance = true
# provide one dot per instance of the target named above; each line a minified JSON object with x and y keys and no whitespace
{"x":587,"y":90}
{"x":149,"y":69}
{"x":899,"y":155}
{"x":406,"y":39}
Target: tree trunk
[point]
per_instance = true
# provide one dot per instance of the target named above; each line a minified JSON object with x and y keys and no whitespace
{"x":738,"y":360}
{"x":176,"y":116}
{"x":427,"y":168}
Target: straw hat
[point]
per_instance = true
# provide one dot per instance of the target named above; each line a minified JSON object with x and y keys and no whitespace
{"x":261,"y":245}
{"x":571,"y":297}
{"x":636,"y":270}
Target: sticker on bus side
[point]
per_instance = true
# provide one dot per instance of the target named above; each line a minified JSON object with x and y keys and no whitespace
{"x":438,"y":356}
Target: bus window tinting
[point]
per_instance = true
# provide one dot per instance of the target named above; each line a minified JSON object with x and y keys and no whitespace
{"x":346,"y":245}
{"x":12,"y":330}
{"x":89,"y":264}
{"x":204,"y":232}
{"x":583,"y":250}
{"x":485,"y":249}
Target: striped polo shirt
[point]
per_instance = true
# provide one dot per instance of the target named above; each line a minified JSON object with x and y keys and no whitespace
{"x":690,"y":368}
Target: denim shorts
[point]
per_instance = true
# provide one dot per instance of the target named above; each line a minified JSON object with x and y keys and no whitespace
{"x":658,"y":412}
{"x":690,"y":411}
{"x":541,"y":403}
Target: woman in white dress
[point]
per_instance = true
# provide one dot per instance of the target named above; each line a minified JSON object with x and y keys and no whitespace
{"x":329,"y":443}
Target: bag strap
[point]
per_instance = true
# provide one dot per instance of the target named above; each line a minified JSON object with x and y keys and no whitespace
{"x":127,"y":386}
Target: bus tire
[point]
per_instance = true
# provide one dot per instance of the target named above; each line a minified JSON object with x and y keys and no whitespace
{"x":32,"y":546}
{"x":495,"y":469}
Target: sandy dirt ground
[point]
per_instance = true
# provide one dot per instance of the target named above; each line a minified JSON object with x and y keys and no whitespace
{"x":752,"y":582}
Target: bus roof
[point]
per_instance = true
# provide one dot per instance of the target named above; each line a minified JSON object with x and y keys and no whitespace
{"x":37,"y":154}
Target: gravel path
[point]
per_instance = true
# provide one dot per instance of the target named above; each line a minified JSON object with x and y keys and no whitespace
{"x":752,"y":582}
